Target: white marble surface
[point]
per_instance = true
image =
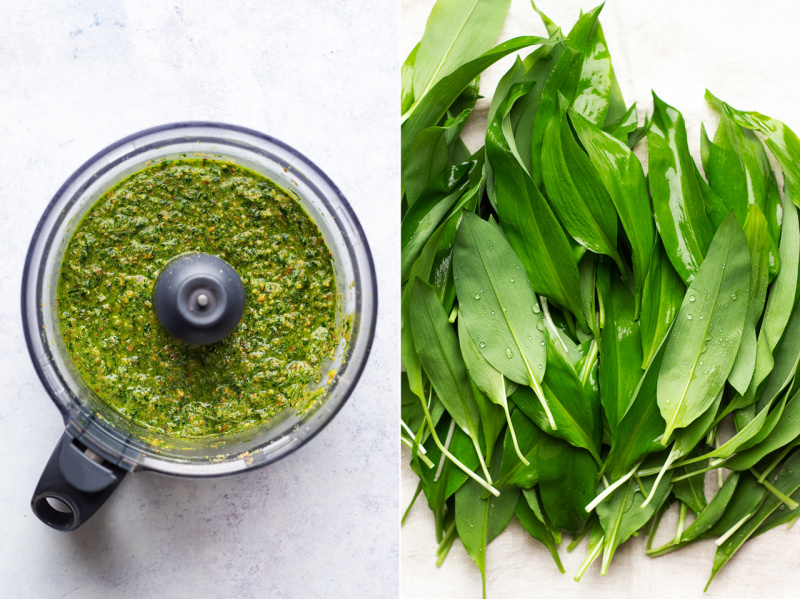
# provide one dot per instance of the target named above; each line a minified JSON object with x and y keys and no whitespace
{"x":745,"y":53}
{"x":322,"y":76}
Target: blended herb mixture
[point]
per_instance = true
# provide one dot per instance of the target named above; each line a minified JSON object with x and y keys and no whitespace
{"x":113,"y":334}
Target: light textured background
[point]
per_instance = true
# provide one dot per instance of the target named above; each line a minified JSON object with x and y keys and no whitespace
{"x":321,"y":76}
{"x":745,"y":53}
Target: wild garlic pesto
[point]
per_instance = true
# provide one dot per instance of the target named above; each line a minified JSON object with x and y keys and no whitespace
{"x":113,"y":334}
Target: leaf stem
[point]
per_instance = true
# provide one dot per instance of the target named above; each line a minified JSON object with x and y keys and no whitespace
{"x":410,"y":505}
{"x":446,"y":544}
{"x":790,"y":503}
{"x":596,"y":501}
{"x":453,"y":458}
{"x":589,"y":560}
{"x":681,"y":522}
{"x":422,"y":457}
{"x":447,"y":446}
{"x":731,"y":530}
{"x":674,"y":454}
{"x":579,"y":538}
{"x":521,"y":457}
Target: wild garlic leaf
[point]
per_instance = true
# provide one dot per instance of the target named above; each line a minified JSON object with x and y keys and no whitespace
{"x":529,"y":223}
{"x":457,"y":32}
{"x":756,"y":231}
{"x":406,"y":81}
{"x":440,"y":356}
{"x":677,"y":200}
{"x":536,"y":528}
{"x":620,"y":348}
{"x":623,"y":178}
{"x":479,"y":521}
{"x":713,"y":511}
{"x":567,"y":477}
{"x":593,"y":93}
{"x":662,"y":296}
{"x":706,"y":334}
{"x":576,"y":193}
{"x":512,"y":470}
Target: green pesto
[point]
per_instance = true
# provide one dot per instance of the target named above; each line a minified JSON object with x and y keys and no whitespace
{"x":115,"y":339}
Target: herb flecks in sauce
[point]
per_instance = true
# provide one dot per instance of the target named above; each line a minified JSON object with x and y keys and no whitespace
{"x":115,"y":339}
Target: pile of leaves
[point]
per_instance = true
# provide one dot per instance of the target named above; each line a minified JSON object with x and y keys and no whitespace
{"x":576,"y":336}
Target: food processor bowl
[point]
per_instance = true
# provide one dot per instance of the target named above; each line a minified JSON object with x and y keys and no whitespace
{"x":100,"y":446}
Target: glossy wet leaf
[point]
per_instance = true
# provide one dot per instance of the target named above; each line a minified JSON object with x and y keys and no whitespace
{"x":528,"y":221}
{"x":567,"y":478}
{"x":576,"y":193}
{"x":457,"y":32}
{"x":620,"y":349}
{"x":706,"y":334}
{"x":622,"y":175}
{"x":498,"y":305}
{"x":576,"y":416}
{"x":479,"y":520}
{"x":593,"y":94}
{"x":677,"y":200}
{"x":757,"y":233}
{"x":782,"y":292}
{"x":662,"y":296}
{"x":713,"y":511}
{"x":406,"y":81}
{"x":440,"y":356}
{"x":564,"y":79}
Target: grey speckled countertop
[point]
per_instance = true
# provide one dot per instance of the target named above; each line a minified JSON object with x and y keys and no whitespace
{"x":322,"y":76}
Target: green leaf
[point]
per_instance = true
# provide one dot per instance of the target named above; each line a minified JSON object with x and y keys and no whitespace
{"x":691,"y":490}
{"x":427,"y":213}
{"x":662,"y":296}
{"x":755,"y":229}
{"x":623,"y":178}
{"x":677,"y":200}
{"x":406,"y":81}
{"x":431,"y":152}
{"x":704,"y":340}
{"x":564,"y":79}
{"x":576,"y":193}
{"x":713,"y":511}
{"x":513,"y":471}
{"x":457,"y":32}
{"x":536,"y":528}
{"x":567,"y":479}
{"x":782,"y":293}
{"x":428,"y":110}
{"x":593,"y":93}
{"x":620,"y":349}
{"x":787,"y":480}
{"x":577,"y":418}
{"x":440,"y":356}
{"x":479,"y":520}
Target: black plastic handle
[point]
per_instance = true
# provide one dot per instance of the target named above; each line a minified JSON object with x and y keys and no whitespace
{"x":74,"y":484}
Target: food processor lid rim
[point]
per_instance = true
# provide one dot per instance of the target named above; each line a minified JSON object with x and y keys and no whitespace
{"x":368,"y":333}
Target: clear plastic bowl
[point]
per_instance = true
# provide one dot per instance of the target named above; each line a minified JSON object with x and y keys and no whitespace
{"x":124,"y":444}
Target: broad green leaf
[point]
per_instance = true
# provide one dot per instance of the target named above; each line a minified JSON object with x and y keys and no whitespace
{"x":704,"y":340}
{"x":440,"y":356}
{"x":486,"y":378}
{"x":713,"y":511}
{"x":623,"y":178}
{"x":677,"y":200}
{"x":457,"y":32}
{"x":787,"y":357}
{"x":639,"y":431}
{"x":530,"y":225}
{"x":787,"y":480}
{"x":512,"y":470}
{"x":755,"y":229}
{"x":620,"y":349}
{"x":479,"y":520}
{"x":427,"y":213}
{"x":781,"y":297}
{"x":716,"y":210}
{"x":564,"y":79}
{"x":593,"y":94}
{"x":587,"y":269}
{"x":576,"y":193}
{"x":429,"y":155}
{"x":745,"y":500}
{"x":691,"y":490}
{"x":622,"y":514}
{"x":662,"y":296}
{"x":537,"y":529}
{"x":428,"y":110}
{"x":621,"y":128}
{"x":567,"y":479}
{"x":577,"y":418}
